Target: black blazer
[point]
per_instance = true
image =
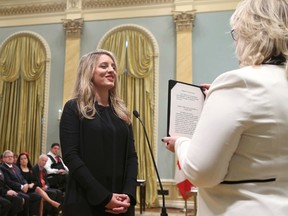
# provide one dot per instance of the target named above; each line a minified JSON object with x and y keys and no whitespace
{"x":36,"y":175}
{"x":3,"y":185}
{"x":101,"y":158}
{"x":14,"y":180}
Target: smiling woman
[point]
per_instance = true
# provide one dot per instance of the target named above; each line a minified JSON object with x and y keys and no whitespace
{"x":97,"y":142}
{"x":103,"y":78}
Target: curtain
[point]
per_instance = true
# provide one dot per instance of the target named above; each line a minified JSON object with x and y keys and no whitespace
{"x":135,"y":57}
{"x":22,"y":76}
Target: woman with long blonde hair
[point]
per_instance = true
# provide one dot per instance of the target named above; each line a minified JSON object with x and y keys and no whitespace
{"x":97,"y":142}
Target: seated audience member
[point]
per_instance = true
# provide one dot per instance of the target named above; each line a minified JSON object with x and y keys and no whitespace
{"x":40,"y":177}
{"x":56,"y":169}
{"x":10,"y":203}
{"x":15,"y":158}
{"x":18,"y":183}
{"x":50,"y":196}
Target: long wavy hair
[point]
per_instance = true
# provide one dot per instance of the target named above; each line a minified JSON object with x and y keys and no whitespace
{"x":84,"y":91}
{"x":25,"y":154}
{"x":261,"y":27}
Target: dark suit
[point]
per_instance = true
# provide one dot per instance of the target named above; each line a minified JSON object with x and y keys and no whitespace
{"x":54,"y":194}
{"x":14,"y":180}
{"x":10,"y":205}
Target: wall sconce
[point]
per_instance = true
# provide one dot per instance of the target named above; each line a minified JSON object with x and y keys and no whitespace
{"x":59,"y":114}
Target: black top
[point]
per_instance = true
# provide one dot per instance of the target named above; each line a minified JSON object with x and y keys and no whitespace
{"x":3,"y":186}
{"x":29,"y":178}
{"x":101,"y":158}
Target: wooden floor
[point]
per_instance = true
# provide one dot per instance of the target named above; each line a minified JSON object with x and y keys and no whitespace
{"x":170,"y":212}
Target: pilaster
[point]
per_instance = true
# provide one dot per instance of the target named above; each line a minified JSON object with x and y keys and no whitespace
{"x":184,"y":24}
{"x":73,"y":28}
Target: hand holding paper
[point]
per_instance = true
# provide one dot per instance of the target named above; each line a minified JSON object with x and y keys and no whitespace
{"x":184,"y":109}
{"x":170,"y":143}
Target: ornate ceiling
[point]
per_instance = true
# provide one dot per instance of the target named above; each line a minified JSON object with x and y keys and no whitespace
{"x":33,"y":12}
{"x":22,"y":7}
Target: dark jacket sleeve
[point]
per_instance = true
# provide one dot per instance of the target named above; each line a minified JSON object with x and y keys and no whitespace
{"x":3,"y":187}
{"x":3,"y":191}
{"x":131,"y":170}
{"x":70,"y":145}
{"x":36,"y":175}
{"x":12,"y":181}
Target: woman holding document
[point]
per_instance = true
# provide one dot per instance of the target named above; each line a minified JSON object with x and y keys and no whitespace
{"x":238,"y":155}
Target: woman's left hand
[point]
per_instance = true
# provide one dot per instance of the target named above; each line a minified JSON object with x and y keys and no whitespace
{"x":205,"y":87}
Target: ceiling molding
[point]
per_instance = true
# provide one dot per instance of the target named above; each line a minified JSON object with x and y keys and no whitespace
{"x":90,"y":4}
{"x":33,"y":12}
{"x":31,"y":8}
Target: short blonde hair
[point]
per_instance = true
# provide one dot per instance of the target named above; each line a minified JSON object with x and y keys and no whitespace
{"x":261,"y":27}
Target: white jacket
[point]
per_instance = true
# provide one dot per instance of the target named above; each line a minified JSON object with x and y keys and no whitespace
{"x":241,"y":138}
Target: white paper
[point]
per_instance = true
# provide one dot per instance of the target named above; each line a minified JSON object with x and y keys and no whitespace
{"x":186,"y":103}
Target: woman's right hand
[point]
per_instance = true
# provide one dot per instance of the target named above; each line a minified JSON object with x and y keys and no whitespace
{"x":206,"y":87}
{"x":118,"y":204}
{"x":170,"y":143}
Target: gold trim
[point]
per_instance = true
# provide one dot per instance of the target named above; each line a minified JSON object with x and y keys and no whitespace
{"x":74,"y":4}
{"x":90,"y":4}
{"x":73,"y":26}
{"x":184,"y":20}
{"x":12,"y":8}
{"x":32,"y":9}
{"x":15,"y":13}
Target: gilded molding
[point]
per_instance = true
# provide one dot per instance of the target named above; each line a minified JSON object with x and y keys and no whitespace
{"x":184,"y":20}
{"x":74,"y":4}
{"x":61,"y":6}
{"x":92,"y":4}
{"x":73,"y":26}
{"x":32,"y":9}
{"x":13,"y":8}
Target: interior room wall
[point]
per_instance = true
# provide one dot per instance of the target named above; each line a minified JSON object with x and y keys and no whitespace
{"x":54,"y":35}
{"x":213,"y":54}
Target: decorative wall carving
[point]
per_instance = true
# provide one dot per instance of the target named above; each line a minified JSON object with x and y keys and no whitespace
{"x":62,"y":5}
{"x":73,"y":26}
{"x":184,"y":20}
{"x":74,"y":4}
{"x":92,"y":4}
{"x":17,"y":7}
{"x":52,"y":7}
